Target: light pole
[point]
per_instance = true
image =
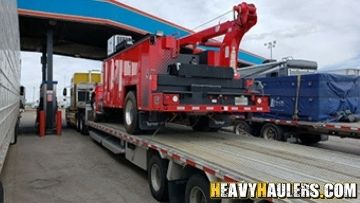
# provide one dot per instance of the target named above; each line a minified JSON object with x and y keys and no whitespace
{"x":270,"y":45}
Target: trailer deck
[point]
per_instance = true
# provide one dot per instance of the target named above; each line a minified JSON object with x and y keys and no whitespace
{"x":232,"y":157}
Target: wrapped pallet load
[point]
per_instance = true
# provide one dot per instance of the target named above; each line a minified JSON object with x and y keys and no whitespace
{"x":314,"y":97}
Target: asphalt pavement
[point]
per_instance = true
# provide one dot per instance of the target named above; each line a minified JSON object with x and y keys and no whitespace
{"x":68,"y":168}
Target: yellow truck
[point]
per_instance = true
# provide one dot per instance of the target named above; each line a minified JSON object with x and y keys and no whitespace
{"x":82,"y":85}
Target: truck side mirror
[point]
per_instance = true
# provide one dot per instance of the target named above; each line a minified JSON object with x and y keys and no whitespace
{"x":22,"y":90}
{"x":64,"y":92}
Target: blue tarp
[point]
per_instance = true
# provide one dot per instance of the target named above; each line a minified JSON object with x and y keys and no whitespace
{"x":321,"y":96}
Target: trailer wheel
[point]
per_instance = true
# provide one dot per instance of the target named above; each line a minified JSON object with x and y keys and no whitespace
{"x":197,"y":190}
{"x":272,"y":132}
{"x":157,"y":169}
{"x":242,"y":126}
{"x":131,"y":115}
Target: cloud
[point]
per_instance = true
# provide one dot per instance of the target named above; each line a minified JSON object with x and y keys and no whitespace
{"x":291,"y":32}
{"x":352,"y":63}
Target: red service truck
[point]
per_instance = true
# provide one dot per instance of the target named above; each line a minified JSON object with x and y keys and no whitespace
{"x":163,"y":79}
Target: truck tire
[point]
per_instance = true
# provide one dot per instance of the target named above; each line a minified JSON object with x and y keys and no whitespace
{"x":131,"y":114}
{"x":272,"y":132}
{"x":158,"y":183}
{"x":82,"y":128}
{"x":80,"y":125}
{"x":242,"y":126}
{"x":197,"y":190}
{"x":78,"y":122}
{"x":309,"y":139}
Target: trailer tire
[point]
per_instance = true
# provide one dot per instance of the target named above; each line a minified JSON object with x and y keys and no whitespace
{"x":158,"y":183}
{"x":131,"y":114}
{"x":197,"y":190}
{"x":242,"y":126}
{"x":272,"y":132}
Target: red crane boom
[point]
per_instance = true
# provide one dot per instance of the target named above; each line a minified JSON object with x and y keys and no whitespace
{"x":244,"y":18}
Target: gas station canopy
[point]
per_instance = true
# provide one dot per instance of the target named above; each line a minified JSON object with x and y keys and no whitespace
{"x":81,"y":28}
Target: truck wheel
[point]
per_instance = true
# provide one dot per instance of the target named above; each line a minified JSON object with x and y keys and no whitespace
{"x":80,"y":125}
{"x":308,"y":139}
{"x":272,"y":132}
{"x":83,"y":129}
{"x":78,"y":122}
{"x":157,"y":169}
{"x":197,"y":190}
{"x":131,"y":115}
{"x":241,"y":127}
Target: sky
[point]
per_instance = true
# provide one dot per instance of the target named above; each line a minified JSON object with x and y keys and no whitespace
{"x":321,"y":30}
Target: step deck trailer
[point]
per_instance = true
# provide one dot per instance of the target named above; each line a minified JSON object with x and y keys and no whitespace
{"x":221,"y":156}
{"x":291,"y":129}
